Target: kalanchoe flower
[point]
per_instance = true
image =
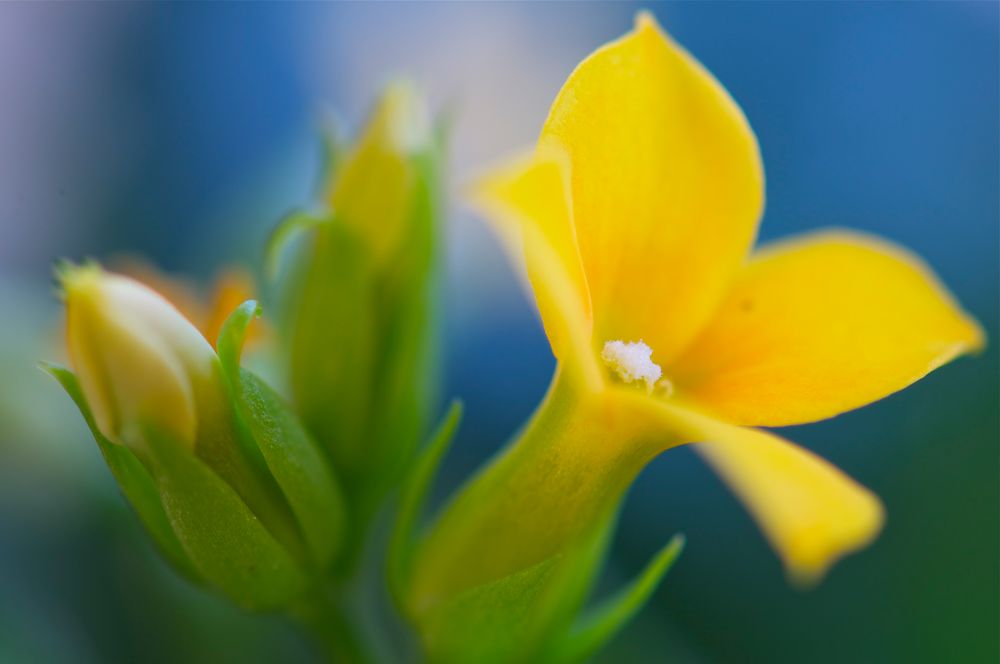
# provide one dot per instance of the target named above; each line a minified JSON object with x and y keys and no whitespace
{"x":357,"y":305}
{"x":225,"y":480}
{"x":635,"y":215}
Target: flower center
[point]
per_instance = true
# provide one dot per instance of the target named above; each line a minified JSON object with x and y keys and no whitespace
{"x":632,"y":362}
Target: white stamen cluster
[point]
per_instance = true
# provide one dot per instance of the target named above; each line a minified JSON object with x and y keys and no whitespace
{"x":632,"y":361}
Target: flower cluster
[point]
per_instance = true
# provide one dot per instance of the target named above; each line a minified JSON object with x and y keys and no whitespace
{"x":635,"y":216}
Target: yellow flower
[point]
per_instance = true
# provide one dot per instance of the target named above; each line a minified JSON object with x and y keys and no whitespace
{"x":636,"y":214}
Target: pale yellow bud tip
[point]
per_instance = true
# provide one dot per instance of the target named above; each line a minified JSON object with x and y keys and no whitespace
{"x":407,"y":116}
{"x":138,"y":360}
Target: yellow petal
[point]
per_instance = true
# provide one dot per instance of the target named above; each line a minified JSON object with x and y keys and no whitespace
{"x":138,"y":360}
{"x":820,"y":325}
{"x":231,"y":287}
{"x":811,"y":512}
{"x":175,"y":289}
{"x":529,"y":208}
{"x":667,"y":186}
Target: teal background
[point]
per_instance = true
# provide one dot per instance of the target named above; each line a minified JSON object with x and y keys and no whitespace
{"x":183,"y":132}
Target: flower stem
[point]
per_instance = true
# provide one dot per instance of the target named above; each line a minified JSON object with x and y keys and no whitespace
{"x":334,"y":630}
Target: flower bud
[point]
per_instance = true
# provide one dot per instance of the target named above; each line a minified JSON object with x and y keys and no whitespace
{"x":228,"y":484}
{"x":358,"y":304}
{"x":137,"y":359}
{"x":374,"y":191}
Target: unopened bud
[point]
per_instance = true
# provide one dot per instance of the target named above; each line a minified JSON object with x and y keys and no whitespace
{"x":138,"y":360}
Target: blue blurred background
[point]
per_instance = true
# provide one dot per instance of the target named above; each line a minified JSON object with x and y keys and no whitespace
{"x":183,"y":132}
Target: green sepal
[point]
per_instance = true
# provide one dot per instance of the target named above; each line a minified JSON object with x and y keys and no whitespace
{"x":232,"y":335}
{"x":331,"y":154}
{"x":520,"y":617}
{"x":603,"y":623}
{"x":134,"y":481}
{"x":292,"y":457}
{"x":487,"y":623}
{"x":289,"y":227}
{"x":412,"y":501}
{"x":227,"y":543}
{"x":407,"y":366}
{"x":333,"y":345}
{"x":199,"y":523}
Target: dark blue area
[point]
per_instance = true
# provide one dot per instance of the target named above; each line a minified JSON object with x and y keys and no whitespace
{"x":218,"y":90}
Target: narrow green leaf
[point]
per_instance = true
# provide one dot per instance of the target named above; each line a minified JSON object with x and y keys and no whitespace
{"x":606,"y":621}
{"x":133,"y":479}
{"x":412,"y":500}
{"x":231,"y":547}
{"x":293,"y":458}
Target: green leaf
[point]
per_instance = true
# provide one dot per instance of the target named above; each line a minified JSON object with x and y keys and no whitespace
{"x":293,"y":458}
{"x":413,"y":499}
{"x":133,"y":479}
{"x":227,"y":543}
{"x":606,"y":621}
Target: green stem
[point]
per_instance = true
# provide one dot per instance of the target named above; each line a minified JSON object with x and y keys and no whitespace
{"x":336,"y":633}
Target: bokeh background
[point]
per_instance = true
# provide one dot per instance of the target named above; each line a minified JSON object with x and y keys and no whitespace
{"x":183,"y":132}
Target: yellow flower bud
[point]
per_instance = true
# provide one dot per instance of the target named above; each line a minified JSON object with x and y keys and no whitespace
{"x":137,"y":358}
{"x":376,"y":190}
